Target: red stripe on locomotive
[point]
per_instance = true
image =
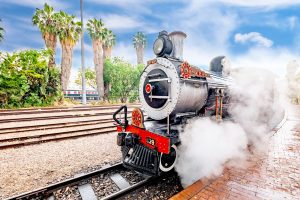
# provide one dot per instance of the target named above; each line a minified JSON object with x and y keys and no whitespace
{"x":162,"y":144}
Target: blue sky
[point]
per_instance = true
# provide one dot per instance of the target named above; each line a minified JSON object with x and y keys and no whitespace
{"x":250,"y":33}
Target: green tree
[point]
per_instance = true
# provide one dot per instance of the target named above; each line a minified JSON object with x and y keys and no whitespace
{"x":69,"y":32}
{"x":45,"y":20}
{"x":90,"y":77}
{"x":109,"y":42}
{"x":139,"y":42}
{"x":123,"y":78}
{"x":293,"y":81}
{"x":96,"y":31}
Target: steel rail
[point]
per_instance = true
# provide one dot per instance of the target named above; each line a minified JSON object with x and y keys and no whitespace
{"x":60,"y":110}
{"x":55,"y":137}
{"x":133,"y":187}
{"x":147,"y":181}
{"x":28,"y":137}
{"x":52,"y":126}
{"x":47,"y":191}
{"x":54,"y":117}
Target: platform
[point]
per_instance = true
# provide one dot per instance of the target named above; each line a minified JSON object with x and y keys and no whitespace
{"x":274,"y":175}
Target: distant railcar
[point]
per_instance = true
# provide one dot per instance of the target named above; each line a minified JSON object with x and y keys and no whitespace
{"x":77,"y":94}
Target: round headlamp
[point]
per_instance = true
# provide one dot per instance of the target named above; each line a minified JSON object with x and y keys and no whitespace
{"x":158,"y":46}
{"x":162,"y":46}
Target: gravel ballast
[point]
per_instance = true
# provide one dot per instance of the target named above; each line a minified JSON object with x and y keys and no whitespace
{"x":162,"y":189}
{"x":31,"y":167}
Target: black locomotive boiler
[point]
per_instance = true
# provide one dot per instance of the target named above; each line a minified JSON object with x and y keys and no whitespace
{"x":171,"y":91}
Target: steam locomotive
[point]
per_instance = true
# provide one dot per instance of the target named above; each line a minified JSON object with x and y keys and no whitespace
{"x":171,"y":91}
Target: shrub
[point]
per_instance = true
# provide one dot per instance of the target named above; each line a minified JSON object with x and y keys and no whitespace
{"x":26,"y":80}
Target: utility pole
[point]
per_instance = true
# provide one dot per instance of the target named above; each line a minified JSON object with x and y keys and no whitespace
{"x":82,"y":56}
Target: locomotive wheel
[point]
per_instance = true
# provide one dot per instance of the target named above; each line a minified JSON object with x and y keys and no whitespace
{"x":168,"y":161}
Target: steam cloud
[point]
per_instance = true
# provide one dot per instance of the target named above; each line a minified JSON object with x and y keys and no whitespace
{"x":207,"y":146}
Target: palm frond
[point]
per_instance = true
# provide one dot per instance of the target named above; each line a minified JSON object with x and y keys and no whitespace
{"x":96,"y":29}
{"x":109,"y":38}
{"x":68,"y":29}
{"x":139,"y":40}
{"x":44,"y":19}
{"x":1,"y":32}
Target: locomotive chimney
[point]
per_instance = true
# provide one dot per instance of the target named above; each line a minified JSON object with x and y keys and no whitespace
{"x":177,"y":38}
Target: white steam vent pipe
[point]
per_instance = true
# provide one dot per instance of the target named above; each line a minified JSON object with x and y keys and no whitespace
{"x":177,"y":38}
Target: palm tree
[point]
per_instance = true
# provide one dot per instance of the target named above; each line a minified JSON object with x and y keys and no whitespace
{"x":139,"y":43}
{"x":96,"y":31}
{"x":45,"y":20}
{"x":1,"y":32}
{"x":69,"y":32}
{"x":109,"y":42}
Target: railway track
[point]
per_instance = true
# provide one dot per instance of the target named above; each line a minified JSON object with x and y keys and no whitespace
{"x":16,"y":135}
{"x":79,"y":115}
{"x":84,"y":184}
{"x":43,"y":127}
{"x":9,"y":140}
{"x":62,"y":109}
{"x":56,"y":136}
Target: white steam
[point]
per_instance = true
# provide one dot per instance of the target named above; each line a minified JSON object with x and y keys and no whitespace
{"x":207,"y":146}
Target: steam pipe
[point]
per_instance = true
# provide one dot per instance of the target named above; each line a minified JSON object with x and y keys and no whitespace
{"x":217,"y":106}
{"x":221,"y":106}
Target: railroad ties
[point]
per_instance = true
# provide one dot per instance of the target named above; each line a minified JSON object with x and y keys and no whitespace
{"x":83,"y":183}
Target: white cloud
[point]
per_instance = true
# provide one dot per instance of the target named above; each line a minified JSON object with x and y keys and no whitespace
{"x":273,"y":59}
{"x":259,"y":3}
{"x":120,"y":3}
{"x":114,"y":21}
{"x":209,"y":33}
{"x":143,"y":5}
{"x":292,"y":21}
{"x":254,"y":37}
{"x":133,"y":6}
{"x":37,"y":3}
{"x":87,"y":47}
{"x":124,"y":23}
{"x":121,"y":23}
{"x":275,"y":21}
{"x":125,"y":51}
